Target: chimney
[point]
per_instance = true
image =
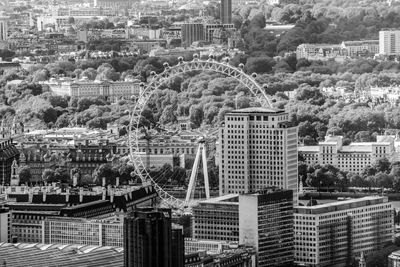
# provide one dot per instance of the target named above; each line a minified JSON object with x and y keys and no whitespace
{"x":30,"y":195}
{"x":80,"y":195}
{"x":103,"y":197}
{"x":117,"y":182}
{"x":67,"y":196}
{"x":112,"y":196}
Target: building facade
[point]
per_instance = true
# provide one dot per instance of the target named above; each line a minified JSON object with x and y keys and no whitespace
{"x":85,"y":88}
{"x":192,"y":32}
{"x":257,"y":149}
{"x":318,"y":51}
{"x":266,"y":223}
{"x":3,"y":29}
{"x":148,"y":239}
{"x":217,"y":219}
{"x":354,"y":157}
{"x":62,"y":230}
{"x":389,"y":42}
{"x":394,"y":259}
{"x":8,"y":153}
{"x":333,"y":234}
{"x":5,"y":225}
{"x":360,"y":48}
{"x":226,"y":11}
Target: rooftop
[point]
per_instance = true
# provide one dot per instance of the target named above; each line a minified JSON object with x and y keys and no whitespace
{"x":257,"y":110}
{"x":40,"y":255}
{"x":226,"y":199}
{"x":341,"y":205}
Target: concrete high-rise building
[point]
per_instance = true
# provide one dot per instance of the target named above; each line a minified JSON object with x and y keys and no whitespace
{"x":333,"y":234}
{"x":192,"y":32}
{"x":3,"y":28}
{"x":257,"y":149}
{"x":149,"y":238}
{"x":389,"y":42}
{"x":226,"y":11}
{"x":263,"y":220}
{"x":177,"y":246}
{"x":266,"y":223}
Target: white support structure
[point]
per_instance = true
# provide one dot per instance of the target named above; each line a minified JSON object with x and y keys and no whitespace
{"x":192,"y":182}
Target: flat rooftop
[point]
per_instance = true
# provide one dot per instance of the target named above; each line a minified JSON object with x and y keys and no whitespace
{"x":258,"y":110}
{"x":226,"y":199}
{"x":341,"y":205}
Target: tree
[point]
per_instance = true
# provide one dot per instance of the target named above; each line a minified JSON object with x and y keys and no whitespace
{"x":196,"y":115}
{"x":61,"y":175}
{"x":49,"y":115}
{"x":89,"y":73}
{"x":259,"y":64}
{"x":383,"y":165}
{"x":105,"y":171}
{"x":86,"y":180}
{"x":48,"y":176}
{"x":24,"y":174}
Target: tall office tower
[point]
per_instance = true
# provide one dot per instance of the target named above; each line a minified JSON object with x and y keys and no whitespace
{"x":226,"y":11}
{"x":148,"y":239}
{"x":333,"y":234}
{"x":258,"y":149}
{"x":266,"y":223}
{"x":3,"y":28}
{"x":389,"y":42}
{"x":177,"y":246}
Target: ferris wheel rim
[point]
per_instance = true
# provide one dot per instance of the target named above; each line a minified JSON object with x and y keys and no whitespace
{"x":156,"y":81}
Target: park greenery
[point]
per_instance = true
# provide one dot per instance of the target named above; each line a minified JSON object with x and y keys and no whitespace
{"x":206,"y":97}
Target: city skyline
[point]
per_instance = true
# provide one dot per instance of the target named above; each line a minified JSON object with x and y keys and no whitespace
{"x":185,"y":133}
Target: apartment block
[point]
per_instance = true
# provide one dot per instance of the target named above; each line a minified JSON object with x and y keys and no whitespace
{"x":333,"y":234}
{"x":389,"y":42}
{"x":353,"y":157}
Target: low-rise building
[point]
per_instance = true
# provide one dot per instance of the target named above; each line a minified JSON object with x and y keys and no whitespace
{"x":29,"y":207}
{"x":360,"y":48}
{"x":394,"y":259}
{"x":210,"y":246}
{"x":388,"y":94}
{"x":85,"y":88}
{"x":217,"y":219}
{"x":61,"y":230}
{"x":354,"y":157}
{"x":333,"y":234}
{"x":318,"y":51}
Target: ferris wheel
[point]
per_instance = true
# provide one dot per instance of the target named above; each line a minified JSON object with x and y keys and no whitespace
{"x":155,"y":82}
